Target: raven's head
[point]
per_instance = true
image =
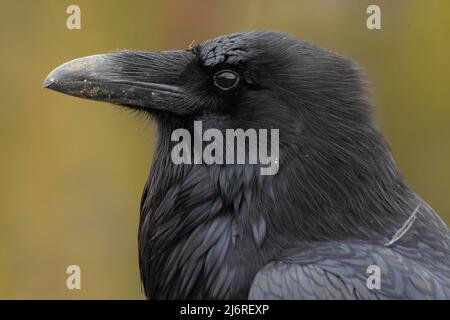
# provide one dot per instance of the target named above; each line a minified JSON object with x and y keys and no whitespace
{"x":244,"y":80}
{"x":333,"y":161}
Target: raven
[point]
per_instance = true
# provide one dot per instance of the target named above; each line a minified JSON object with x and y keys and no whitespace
{"x":338,"y":212}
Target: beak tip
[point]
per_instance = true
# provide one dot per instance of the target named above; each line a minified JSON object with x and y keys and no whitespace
{"x":50,"y":81}
{"x":47,"y":83}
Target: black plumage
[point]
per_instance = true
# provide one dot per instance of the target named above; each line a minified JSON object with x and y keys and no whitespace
{"x":337,"y":205}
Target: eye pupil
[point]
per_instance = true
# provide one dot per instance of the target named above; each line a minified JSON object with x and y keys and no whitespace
{"x":226,"y":79}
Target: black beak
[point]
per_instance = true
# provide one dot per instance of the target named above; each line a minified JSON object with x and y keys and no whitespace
{"x":140,"y":80}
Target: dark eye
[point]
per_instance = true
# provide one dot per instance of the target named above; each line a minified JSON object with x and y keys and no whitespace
{"x":226,"y":79}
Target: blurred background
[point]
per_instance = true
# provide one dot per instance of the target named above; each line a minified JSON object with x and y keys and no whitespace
{"x":72,"y":170}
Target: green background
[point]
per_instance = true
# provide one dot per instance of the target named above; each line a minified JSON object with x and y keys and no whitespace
{"x":72,"y":170}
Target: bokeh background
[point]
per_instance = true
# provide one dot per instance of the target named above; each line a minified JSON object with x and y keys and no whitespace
{"x":72,"y":170}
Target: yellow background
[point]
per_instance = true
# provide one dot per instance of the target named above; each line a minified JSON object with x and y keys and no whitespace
{"x":72,"y":170}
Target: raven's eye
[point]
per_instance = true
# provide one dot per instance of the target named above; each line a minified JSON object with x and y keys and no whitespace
{"x":226,"y":79}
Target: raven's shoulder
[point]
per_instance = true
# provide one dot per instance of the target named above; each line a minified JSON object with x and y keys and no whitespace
{"x":339,"y":270}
